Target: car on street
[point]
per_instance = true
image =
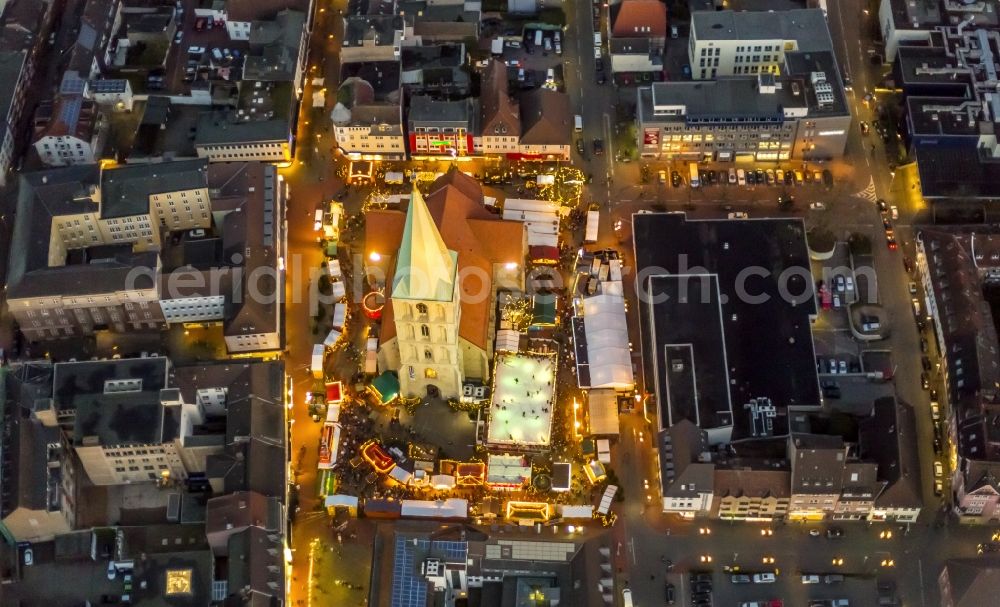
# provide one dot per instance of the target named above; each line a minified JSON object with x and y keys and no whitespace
{"x":839,"y":283}
{"x":769,"y":176}
{"x":925,"y":363}
{"x":670,"y":594}
{"x":112,"y":572}
{"x":580,"y":149}
{"x":751,"y":177}
{"x":741,"y":177}
{"x":810,"y":579}
{"x":601,"y":79}
{"x":925,"y":381}
{"x":834,"y":533}
{"x":740,"y":579}
{"x":882,"y":206}
{"x":178,"y":37}
{"x":891,"y":243}
{"x":814,"y":532}
{"x":938,"y":469}
{"x":865,"y":128}
{"x":598,"y":147}
{"x":764,"y":578}
{"x":894,"y":211}
{"x":938,"y":488}
{"x":759,"y":176}
{"x":732,"y":176}
{"x":779,"y":176}
{"x":29,"y":557}
{"x":675,"y":179}
{"x":627,"y":597}
{"x":935,"y":411}
{"x":663,"y":177}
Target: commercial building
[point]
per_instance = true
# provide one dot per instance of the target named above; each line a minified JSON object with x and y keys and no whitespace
{"x":951,"y":113}
{"x":912,"y":24}
{"x":376,"y":37}
{"x":37,"y":492}
{"x":687,"y":480}
{"x":146,"y":246}
{"x":12,"y":70}
{"x":888,"y":438}
{"x":958,"y":269}
{"x":439,"y":565}
{"x":711,"y":353}
{"x":637,"y":36}
{"x":751,"y":494}
{"x":441,"y":128}
{"x":500,"y":120}
{"x":799,"y":113}
{"x":443,"y":262}
{"x":817,"y":475}
{"x":734,"y":43}
{"x":367,"y":125}
{"x":546,"y":125}
{"x":969,"y":582}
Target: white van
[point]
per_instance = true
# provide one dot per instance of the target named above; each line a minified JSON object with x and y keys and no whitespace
{"x":538,"y":37}
{"x":597,"y":38}
{"x":578,"y":123}
{"x":318,"y":220}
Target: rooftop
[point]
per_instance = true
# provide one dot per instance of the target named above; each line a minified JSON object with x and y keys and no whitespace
{"x":945,"y":116}
{"x":807,"y":27}
{"x":522,"y":420}
{"x":115,"y":402}
{"x":126,"y":190}
{"x":957,"y":173}
{"x":274,"y":47}
{"x":754,"y":334}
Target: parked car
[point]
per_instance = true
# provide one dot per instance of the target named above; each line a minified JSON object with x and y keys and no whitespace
{"x":834,"y":533}
{"x":810,"y":579}
{"x":740,"y":579}
{"x":29,"y":557}
{"x":670,"y":594}
{"x":938,"y":469}
{"x":764,"y":578}
{"x":662,"y":175}
{"x":938,"y":488}
{"x":598,"y":147}
{"x":580,"y":147}
{"x":935,"y":411}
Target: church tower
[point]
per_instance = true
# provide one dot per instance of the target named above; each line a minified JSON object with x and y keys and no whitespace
{"x":426,"y":308}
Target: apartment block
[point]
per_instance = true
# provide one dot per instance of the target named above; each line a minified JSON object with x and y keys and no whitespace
{"x":147,"y":246}
{"x":734,"y":43}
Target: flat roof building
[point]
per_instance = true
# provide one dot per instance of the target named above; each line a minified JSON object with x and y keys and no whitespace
{"x":721,"y":371}
{"x":800,"y":113}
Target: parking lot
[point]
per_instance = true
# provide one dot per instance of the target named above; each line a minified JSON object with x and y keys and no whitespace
{"x":719,"y":590}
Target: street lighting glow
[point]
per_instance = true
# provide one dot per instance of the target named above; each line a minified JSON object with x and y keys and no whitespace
{"x":373,"y":256}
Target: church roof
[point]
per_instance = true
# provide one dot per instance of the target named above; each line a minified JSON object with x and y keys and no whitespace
{"x":480,"y":239}
{"x":425,"y":269}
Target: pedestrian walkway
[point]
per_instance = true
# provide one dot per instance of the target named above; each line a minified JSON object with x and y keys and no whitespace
{"x":869,"y":193}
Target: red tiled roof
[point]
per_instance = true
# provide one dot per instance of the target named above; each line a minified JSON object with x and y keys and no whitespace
{"x":468,"y":228}
{"x":640,"y":19}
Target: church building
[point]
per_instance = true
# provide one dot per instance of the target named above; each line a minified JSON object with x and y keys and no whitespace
{"x":443,"y":261}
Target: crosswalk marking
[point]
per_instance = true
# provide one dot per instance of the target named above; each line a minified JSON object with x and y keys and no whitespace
{"x":869,"y":193}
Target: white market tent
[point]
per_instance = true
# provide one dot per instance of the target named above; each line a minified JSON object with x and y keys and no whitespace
{"x":331,"y":338}
{"x":540,"y":219}
{"x":401,"y":475}
{"x":338,"y":290}
{"x":443,"y":481}
{"x":339,"y":315}
{"x":607,"y":341}
{"x":450,"y":508}
{"x":576,"y":511}
{"x":603,"y":407}
{"x":338,"y":499}
{"x":508,"y":340}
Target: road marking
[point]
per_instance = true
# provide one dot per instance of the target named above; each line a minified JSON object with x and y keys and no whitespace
{"x":869,"y":192}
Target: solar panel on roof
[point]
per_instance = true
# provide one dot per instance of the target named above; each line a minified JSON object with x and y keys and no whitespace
{"x":71,"y":85}
{"x":69,"y":114}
